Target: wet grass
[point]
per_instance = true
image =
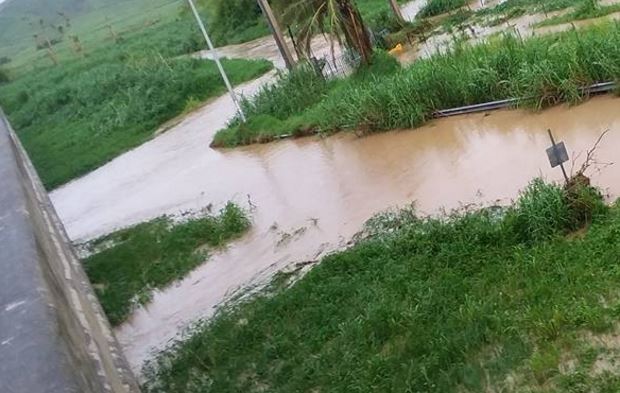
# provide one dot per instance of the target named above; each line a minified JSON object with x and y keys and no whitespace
{"x":488,"y":300}
{"x":437,"y":7}
{"x":129,"y":264}
{"x":550,"y":69}
{"x":588,"y":10}
{"x":76,"y":116}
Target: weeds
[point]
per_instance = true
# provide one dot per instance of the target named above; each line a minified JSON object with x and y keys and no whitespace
{"x":475,"y":301}
{"x":128,"y":265}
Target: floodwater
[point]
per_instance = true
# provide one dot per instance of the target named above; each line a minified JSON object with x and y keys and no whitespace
{"x":309,"y":196}
{"x":411,"y":9}
{"x":266,"y":48}
{"x":524,"y":26}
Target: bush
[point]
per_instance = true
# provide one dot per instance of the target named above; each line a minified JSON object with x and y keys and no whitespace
{"x":545,"y":210}
{"x":4,"y":60}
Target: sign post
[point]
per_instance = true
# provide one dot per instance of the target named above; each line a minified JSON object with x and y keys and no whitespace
{"x":557,"y":155}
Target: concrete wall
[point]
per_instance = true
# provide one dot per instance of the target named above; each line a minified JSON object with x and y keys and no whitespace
{"x":54,"y":336}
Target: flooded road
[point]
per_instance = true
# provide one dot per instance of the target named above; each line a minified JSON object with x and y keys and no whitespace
{"x":309,"y":196}
{"x":266,"y":48}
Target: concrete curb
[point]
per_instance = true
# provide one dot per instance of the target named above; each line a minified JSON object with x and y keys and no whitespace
{"x":80,"y":337}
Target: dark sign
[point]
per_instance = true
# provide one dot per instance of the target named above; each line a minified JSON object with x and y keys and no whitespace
{"x":557,"y":154}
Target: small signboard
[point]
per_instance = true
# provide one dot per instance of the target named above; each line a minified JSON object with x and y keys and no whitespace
{"x":557,"y":154}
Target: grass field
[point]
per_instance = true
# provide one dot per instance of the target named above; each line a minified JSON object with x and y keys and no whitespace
{"x":510,"y":300}
{"x":77,"y":115}
{"x":128,"y":265}
{"x":551,"y":69}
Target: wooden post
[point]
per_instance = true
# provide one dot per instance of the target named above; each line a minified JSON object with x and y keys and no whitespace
{"x":397,"y":11}
{"x":277,"y":33}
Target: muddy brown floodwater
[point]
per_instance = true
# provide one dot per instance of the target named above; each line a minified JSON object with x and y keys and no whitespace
{"x":311,"y":195}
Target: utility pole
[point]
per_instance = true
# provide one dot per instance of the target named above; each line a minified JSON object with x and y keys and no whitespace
{"x":397,"y":12}
{"x":216,"y":57}
{"x":277,"y":33}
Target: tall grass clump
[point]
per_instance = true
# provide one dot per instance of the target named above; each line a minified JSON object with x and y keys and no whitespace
{"x":129,"y":264}
{"x":454,"y":303}
{"x":290,"y":94}
{"x":437,"y":7}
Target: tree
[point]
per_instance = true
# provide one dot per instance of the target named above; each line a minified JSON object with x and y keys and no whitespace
{"x":340,"y":18}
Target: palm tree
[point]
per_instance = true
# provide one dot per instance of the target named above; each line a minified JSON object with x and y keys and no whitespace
{"x":340,"y":18}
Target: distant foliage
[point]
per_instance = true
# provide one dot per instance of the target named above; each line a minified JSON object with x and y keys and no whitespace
{"x":235,"y":21}
{"x":4,"y":76}
{"x":5,"y":60}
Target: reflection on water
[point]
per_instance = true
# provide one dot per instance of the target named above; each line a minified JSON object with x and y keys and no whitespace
{"x":328,"y":187}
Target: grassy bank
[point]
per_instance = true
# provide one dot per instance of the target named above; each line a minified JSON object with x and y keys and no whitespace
{"x":513,"y":300}
{"x":81,"y":113}
{"x":589,"y":9}
{"x":437,"y":7}
{"x":549,"y":68}
{"x":128,"y":265}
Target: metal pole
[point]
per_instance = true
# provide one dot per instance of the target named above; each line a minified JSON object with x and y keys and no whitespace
{"x":277,"y":33}
{"x":216,"y":57}
{"x":561,"y":164}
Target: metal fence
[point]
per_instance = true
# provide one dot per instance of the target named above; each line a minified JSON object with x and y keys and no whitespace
{"x":336,"y":66}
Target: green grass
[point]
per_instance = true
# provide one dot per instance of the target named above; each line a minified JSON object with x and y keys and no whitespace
{"x":488,"y":300}
{"x":552,"y":69}
{"x":437,"y":7}
{"x":588,"y":10}
{"x":74,"y":117}
{"x":133,"y":262}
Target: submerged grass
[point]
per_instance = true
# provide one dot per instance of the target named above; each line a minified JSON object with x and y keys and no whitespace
{"x":129,"y":264}
{"x":489,"y":300}
{"x":550,"y":69}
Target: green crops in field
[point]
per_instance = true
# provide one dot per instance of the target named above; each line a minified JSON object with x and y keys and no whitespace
{"x":149,"y":256}
{"x":490,"y":300}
